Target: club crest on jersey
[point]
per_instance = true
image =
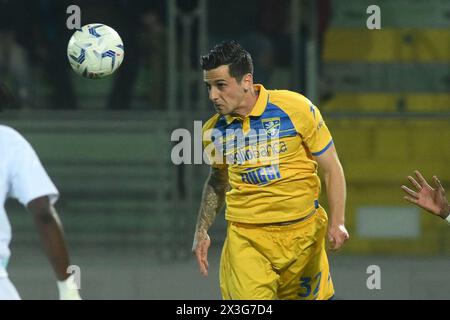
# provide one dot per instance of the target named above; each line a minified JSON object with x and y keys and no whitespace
{"x":272,"y":126}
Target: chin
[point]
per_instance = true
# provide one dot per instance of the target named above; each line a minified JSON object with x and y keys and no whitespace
{"x":222,"y":112}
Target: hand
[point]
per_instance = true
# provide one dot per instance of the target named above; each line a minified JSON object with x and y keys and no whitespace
{"x":68,"y":289}
{"x":337,"y":235}
{"x":200,"y":249}
{"x":431,"y":199}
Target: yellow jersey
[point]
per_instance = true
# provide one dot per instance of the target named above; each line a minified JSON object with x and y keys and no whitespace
{"x":268,"y":155}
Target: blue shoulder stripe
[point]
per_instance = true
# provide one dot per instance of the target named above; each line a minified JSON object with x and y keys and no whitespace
{"x":323,"y":150}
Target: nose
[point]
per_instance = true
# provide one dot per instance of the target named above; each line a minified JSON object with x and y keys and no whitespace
{"x":213,"y":94}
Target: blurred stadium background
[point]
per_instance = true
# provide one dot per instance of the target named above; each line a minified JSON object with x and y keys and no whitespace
{"x":129,"y":213}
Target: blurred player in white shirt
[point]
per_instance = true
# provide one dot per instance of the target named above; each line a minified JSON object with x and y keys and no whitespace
{"x":23,"y":177}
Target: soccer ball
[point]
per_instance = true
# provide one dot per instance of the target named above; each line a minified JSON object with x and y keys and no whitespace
{"x":95,"y":51}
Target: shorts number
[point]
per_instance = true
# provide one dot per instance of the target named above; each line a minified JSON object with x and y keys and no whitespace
{"x":317,"y":277}
{"x":305,"y":282}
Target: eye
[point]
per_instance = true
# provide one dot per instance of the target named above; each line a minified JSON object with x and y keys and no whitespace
{"x":208,"y":86}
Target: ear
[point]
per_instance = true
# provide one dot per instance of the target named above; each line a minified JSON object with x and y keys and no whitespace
{"x":247,"y":82}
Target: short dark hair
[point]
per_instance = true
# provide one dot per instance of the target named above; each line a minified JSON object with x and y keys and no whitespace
{"x":229,"y":53}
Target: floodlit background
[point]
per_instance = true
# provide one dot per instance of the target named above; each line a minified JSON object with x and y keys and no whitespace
{"x":129,"y":213}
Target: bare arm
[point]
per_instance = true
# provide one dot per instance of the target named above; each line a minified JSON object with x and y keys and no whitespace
{"x":336,"y":194}
{"x":52,"y":237}
{"x":213,"y":199}
{"x":51,"y":234}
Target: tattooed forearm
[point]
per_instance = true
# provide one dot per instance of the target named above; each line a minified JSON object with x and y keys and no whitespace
{"x":213,"y":199}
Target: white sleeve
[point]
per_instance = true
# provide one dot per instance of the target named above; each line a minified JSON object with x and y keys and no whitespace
{"x":28,"y":178}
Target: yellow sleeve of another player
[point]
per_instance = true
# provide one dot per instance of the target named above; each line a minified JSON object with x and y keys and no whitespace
{"x":211,"y":154}
{"x":310,"y":125}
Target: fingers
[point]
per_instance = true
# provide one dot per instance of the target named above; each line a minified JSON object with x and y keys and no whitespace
{"x":415,"y":183}
{"x":336,"y":245}
{"x":346,"y":236}
{"x":202,"y":258}
{"x":201,"y":265}
{"x":412,"y":200}
{"x":421,"y":179}
{"x":342,"y":239}
{"x":409,"y":191}
{"x":438,"y":184}
{"x":204,"y":269}
{"x":205,"y":257}
{"x":331,"y":242}
{"x":336,"y":242}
